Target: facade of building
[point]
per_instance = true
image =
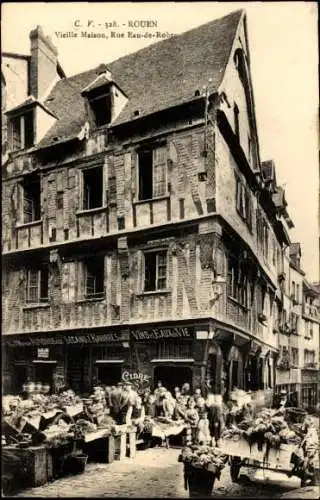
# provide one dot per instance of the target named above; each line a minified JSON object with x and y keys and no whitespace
{"x":297,"y":369}
{"x":142,"y":235}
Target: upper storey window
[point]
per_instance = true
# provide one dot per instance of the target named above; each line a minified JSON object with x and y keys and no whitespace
{"x":152,"y":166}
{"x":92,"y":179}
{"x":31,"y":198}
{"x":101,"y":108}
{"x":104,"y":98}
{"x":21,"y":131}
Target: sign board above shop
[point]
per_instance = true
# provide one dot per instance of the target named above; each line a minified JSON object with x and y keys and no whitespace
{"x":43,"y":352}
{"x":83,"y":338}
{"x":180,"y":332}
{"x":161,"y":333}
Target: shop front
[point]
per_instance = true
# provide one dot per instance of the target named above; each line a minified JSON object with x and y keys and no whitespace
{"x":40,"y":360}
{"x":164,"y":354}
{"x":309,"y":389}
{"x":77,"y":361}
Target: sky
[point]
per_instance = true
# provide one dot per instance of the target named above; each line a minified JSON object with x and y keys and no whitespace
{"x":283,"y":42}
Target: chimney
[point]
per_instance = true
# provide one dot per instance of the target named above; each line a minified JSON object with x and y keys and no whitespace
{"x":43,"y":66}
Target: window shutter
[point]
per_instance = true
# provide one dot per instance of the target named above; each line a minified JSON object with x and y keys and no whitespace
{"x":159,"y":177}
{"x":140,"y":271}
{"x":112,"y":190}
{"x":134,"y":175}
{"x":18,"y":203}
{"x":80,"y":280}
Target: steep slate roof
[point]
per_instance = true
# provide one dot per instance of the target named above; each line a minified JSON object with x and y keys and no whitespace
{"x":159,"y":76}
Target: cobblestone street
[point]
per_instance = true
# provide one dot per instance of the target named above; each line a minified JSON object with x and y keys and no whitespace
{"x":152,"y":473}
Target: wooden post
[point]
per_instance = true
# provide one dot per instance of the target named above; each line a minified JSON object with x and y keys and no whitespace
{"x":110,"y":449}
{"x":132,"y":444}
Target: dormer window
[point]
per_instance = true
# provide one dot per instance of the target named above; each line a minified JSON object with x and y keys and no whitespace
{"x":21,"y":129}
{"x":101,"y":107}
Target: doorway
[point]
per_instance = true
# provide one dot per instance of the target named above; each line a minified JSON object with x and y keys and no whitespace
{"x":20,"y":377}
{"x":108,"y":373}
{"x":172,"y":376}
{"x":43,"y":372}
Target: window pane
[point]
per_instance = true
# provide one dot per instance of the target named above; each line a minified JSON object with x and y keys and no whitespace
{"x":44,"y":284}
{"x":159,"y":180}
{"x":32,"y":286}
{"x":95,"y":277}
{"x":150,"y":272}
{"x":145,"y":174}
{"x":92,"y":188}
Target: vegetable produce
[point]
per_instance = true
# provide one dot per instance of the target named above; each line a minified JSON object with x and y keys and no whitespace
{"x":204,"y":457}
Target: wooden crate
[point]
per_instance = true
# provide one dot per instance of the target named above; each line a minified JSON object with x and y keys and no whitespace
{"x":35,"y":463}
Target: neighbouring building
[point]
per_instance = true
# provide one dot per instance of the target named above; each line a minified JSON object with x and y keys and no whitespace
{"x":142,"y":235}
{"x":297,"y":369}
{"x":310,"y":374}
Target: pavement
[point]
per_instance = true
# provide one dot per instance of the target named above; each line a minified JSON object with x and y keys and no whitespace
{"x":155,"y":472}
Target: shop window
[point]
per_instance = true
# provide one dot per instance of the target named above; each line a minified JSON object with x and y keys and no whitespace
{"x":155,"y":265}
{"x":94,"y":277}
{"x":152,"y":166}
{"x":92,"y":188}
{"x":101,"y":107}
{"x":174,"y":350}
{"x":37,"y":285}
{"x":31,"y":198}
{"x":22,"y":131}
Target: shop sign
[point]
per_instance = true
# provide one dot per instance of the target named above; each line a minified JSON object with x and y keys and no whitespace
{"x":85,"y":338}
{"x":139,"y":380}
{"x":309,"y":377}
{"x":43,"y":352}
{"x":161,"y":333}
{"x":135,"y":376}
{"x":97,"y":338}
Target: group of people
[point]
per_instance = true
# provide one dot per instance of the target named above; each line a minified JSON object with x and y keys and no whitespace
{"x":204,"y":416}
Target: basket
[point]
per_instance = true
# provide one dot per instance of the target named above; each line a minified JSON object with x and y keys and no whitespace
{"x":200,"y":482}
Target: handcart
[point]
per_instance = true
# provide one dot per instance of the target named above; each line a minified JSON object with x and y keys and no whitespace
{"x":286,"y":459}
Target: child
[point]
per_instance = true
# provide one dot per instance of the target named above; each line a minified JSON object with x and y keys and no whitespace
{"x":192,"y":417}
{"x":203,"y":432}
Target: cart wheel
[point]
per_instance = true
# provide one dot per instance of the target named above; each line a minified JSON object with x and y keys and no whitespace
{"x":235,"y":467}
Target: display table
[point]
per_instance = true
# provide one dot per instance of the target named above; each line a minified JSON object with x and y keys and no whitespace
{"x":165,"y":430}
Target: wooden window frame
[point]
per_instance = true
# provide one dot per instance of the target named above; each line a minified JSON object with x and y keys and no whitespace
{"x":158,"y":277}
{"x":37,"y":272}
{"x":154,"y":150}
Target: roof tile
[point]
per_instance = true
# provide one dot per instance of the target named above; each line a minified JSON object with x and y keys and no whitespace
{"x":156,"y":77}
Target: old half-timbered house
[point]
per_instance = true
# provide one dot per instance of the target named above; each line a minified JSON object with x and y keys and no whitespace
{"x":141,"y":232}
